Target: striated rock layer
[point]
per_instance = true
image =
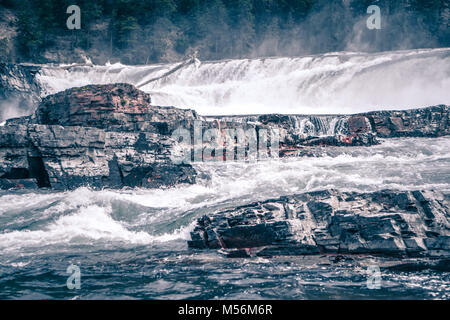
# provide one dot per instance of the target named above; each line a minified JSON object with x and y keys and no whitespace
{"x":386,"y":222}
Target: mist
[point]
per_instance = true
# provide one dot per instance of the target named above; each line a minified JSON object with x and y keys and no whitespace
{"x":13,"y":108}
{"x":335,"y":26}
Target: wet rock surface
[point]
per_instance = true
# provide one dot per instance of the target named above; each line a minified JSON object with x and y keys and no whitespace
{"x":407,"y":224}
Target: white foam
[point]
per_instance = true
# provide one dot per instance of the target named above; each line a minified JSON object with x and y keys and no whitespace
{"x":89,"y":224}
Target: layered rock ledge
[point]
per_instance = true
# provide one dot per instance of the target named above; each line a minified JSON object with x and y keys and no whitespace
{"x":98,"y":136}
{"x":300,"y":131}
{"x":112,"y":136}
{"x":414,"y":224}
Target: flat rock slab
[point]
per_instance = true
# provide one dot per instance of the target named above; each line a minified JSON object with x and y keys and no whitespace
{"x":386,"y":222}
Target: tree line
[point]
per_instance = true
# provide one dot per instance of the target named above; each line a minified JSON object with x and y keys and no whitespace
{"x":148,"y":31}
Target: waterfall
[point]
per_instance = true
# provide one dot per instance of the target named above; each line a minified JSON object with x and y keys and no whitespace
{"x":333,"y":83}
{"x":320,"y":125}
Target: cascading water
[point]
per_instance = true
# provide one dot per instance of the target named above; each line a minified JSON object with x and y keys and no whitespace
{"x":320,"y":125}
{"x":335,"y":83}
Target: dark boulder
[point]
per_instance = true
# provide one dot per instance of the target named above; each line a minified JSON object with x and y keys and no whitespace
{"x":425,"y":122}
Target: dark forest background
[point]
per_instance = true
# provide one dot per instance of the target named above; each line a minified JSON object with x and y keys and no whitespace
{"x":148,"y":31}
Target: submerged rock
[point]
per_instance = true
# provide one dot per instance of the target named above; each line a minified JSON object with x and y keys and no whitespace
{"x":385,"y":222}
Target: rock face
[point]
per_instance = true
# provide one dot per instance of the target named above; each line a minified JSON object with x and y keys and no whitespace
{"x":426,"y":122}
{"x":98,"y":136}
{"x":113,"y":107}
{"x":386,"y":222}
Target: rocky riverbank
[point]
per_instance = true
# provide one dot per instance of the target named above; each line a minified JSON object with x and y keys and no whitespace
{"x":344,"y":130}
{"x":19,"y":90}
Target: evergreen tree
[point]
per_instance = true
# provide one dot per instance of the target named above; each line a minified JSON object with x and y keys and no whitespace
{"x":29,"y":34}
{"x":242,"y":27}
{"x":141,"y":31}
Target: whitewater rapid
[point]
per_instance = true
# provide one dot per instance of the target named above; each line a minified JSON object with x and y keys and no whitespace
{"x":333,"y":83}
